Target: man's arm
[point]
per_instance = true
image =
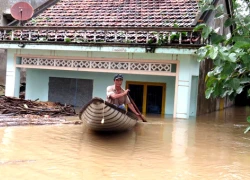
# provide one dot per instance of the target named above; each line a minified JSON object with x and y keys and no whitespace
{"x":115,"y":96}
{"x":131,"y":107}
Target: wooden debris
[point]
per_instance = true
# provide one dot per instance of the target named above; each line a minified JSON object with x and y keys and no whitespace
{"x":15,"y":106}
{"x":9,"y":120}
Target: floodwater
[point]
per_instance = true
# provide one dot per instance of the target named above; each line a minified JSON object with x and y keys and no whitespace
{"x":212,"y":146}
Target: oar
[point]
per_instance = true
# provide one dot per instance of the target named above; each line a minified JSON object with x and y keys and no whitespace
{"x":136,"y":108}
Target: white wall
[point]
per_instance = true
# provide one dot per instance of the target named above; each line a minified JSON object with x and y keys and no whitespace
{"x":188,"y":67}
{"x":37,"y":83}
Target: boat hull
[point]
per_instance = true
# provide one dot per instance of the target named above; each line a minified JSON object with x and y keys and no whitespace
{"x":99,"y":115}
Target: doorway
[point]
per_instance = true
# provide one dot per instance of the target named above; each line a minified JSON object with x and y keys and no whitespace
{"x":154,"y":99}
{"x":137,"y":95}
{"x":149,"y":97}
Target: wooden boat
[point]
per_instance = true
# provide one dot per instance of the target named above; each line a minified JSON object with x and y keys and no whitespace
{"x":100,"y":115}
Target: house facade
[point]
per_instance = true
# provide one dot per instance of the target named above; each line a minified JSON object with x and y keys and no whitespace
{"x":71,"y":50}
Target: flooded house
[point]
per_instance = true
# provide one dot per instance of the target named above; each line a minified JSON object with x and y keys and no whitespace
{"x":71,"y":50}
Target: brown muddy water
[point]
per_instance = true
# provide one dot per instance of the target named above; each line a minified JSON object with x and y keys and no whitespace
{"x":212,"y":146}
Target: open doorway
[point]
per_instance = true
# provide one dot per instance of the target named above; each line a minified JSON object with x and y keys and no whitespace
{"x":149,"y":97}
{"x":137,"y":95}
{"x":154,"y":99}
{"x":22,"y":88}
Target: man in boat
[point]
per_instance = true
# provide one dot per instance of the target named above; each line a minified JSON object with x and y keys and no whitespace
{"x":118,"y":96}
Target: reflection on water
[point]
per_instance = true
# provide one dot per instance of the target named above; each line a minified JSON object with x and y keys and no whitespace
{"x":211,"y":146}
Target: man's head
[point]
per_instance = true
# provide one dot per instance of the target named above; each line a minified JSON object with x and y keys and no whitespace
{"x":118,"y":77}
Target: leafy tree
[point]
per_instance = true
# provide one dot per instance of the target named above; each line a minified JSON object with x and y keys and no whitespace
{"x":230,"y":53}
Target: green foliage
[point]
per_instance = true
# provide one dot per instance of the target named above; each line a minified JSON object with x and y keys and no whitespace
{"x":175,"y":36}
{"x":248,"y":128}
{"x":162,"y":40}
{"x":151,"y":41}
{"x":34,"y":21}
{"x":67,"y":40}
{"x":230,"y":54}
{"x":42,"y":39}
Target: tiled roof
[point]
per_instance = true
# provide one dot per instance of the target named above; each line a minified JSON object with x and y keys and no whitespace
{"x":118,"y":13}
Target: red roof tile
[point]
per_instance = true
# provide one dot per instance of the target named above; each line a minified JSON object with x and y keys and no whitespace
{"x":118,"y":13}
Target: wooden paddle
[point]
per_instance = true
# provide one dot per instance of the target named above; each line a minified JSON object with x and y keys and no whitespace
{"x":136,"y":108}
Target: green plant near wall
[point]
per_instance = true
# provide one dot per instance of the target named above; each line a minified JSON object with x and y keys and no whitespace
{"x":248,"y":128}
{"x":162,"y":40}
{"x":176,"y":35}
{"x":34,"y":21}
{"x":152,"y":41}
{"x":67,"y":40}
{"x":128,"y":41}
{"x":230,"y":55}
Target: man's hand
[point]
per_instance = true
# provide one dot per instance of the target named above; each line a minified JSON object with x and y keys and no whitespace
{"x":126,"y":91}
{"x":140,"y":117}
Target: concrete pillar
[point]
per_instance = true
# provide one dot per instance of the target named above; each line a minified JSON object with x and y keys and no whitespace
{"x":183,"y":99}
{"x":12,"y":85}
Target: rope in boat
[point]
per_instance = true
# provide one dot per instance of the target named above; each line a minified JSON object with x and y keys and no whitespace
{"x":103,"y":112}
